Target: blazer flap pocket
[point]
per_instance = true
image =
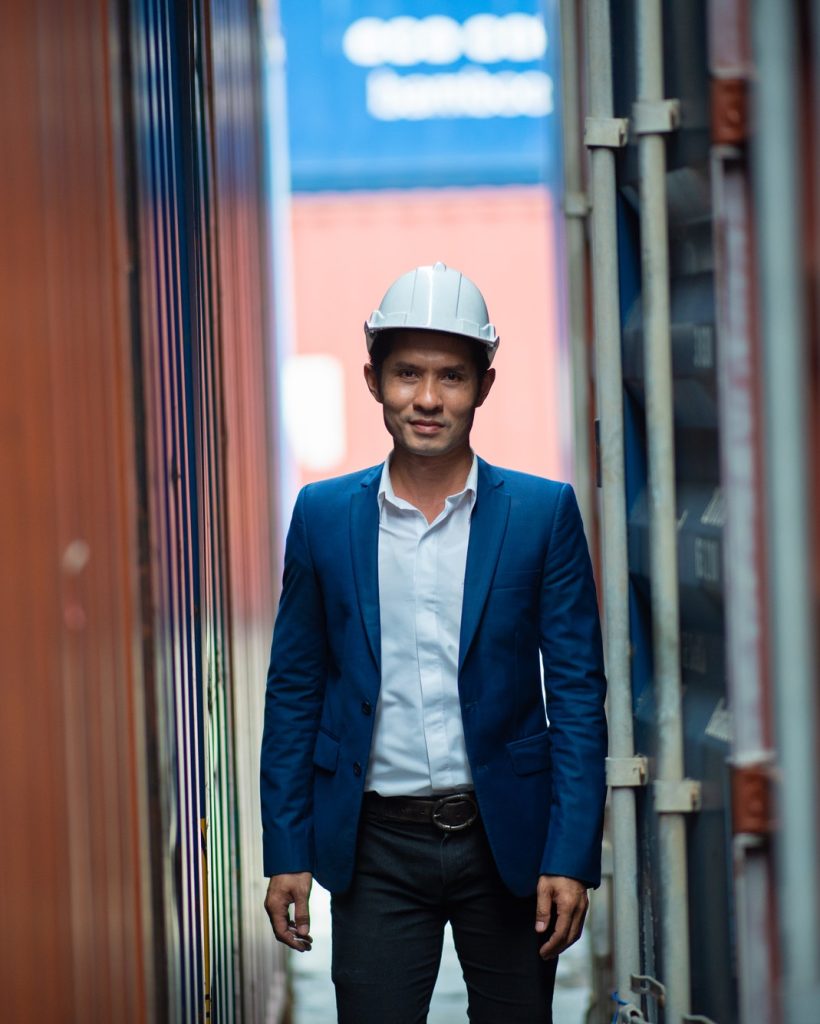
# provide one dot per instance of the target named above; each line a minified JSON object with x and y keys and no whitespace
{"x":513,"y":578}
{"x":326,"y":751}
{"x":531,"y":754}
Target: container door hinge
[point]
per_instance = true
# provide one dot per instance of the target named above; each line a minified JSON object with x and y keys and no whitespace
{"x":644,"y":985}
{"x":655,"y":117}
{"x":683,"y":797}
{"x":627,"y":771}
{"x":606,"y":132}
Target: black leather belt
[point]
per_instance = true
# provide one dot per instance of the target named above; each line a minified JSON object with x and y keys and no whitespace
{"x":451,"y":812}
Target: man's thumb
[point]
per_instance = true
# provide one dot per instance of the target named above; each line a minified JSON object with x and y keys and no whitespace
{"x":301,"y":915}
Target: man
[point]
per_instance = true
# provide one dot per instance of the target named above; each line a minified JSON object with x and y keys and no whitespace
{"x":408,"y":762}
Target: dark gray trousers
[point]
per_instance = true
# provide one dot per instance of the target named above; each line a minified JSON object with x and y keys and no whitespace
{"x":388,"y":930}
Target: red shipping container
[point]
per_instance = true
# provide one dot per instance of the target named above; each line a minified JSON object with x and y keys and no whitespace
{"x":349,"y":247}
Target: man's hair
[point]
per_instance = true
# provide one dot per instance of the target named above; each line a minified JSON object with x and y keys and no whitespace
{"x":383,"y":346}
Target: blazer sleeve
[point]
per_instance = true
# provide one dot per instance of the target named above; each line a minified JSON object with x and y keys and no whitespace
{"x":571,"y":648}
{"x":293,"y":702}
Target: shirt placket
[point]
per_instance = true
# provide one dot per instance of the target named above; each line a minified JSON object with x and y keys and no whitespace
{"x":430,"y":669}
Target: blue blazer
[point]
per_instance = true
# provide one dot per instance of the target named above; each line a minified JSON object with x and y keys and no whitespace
{"x":528,"y":588}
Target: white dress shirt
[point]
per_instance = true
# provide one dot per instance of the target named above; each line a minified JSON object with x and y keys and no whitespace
{"x":418,"y":740}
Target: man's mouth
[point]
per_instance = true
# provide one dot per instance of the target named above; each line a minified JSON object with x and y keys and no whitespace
{"x":426,"y":426}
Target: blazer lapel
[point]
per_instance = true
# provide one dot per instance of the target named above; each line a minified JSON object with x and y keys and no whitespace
{"x":487,"y":528}
{"x":364,"y":547}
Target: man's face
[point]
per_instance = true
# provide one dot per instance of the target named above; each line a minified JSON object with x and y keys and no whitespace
{"x":429,"y":391}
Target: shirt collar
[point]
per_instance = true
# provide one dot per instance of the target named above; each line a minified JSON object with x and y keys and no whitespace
{"x":387,"y":494}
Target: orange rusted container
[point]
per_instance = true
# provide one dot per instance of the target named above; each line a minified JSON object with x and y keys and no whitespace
{"x":73,"y":797}
{"x":138,"y":529}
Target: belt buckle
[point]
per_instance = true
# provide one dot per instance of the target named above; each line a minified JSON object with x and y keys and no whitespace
{"x":449,"y":801}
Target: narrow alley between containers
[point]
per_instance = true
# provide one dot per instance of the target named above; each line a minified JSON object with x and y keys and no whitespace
{"x":203,"y":202}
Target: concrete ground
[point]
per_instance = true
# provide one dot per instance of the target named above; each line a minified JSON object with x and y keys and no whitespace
{"x":313,"y":989}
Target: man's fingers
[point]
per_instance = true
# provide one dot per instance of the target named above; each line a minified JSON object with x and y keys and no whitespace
{"x":286,"y":930}
{"x":277,"y":909}
{"x":283,"y":891}
{"x":576,"y":926}
{"x":568,"y":928}
{"x":298,"y":940}
{"x":561,"y":907}
{"x":557,"y":941}
{"x":278,"y":913}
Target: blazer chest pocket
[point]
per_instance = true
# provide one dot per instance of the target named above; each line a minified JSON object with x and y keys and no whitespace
{"x":326,"y":751}
{"x":517,"y":579}
{"x":530,"y":755}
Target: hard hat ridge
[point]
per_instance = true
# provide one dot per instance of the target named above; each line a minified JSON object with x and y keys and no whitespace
{"x":434,"y":298}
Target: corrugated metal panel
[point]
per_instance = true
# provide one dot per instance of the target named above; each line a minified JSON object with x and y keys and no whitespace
{"x":170,"y":495}
{"x":71,"y":753}
{"x":700,"y":510}
{"x":246,"y":499}
{"x":219,"y":837}
{"x":208,"y":469}
{"x":136,"y":600}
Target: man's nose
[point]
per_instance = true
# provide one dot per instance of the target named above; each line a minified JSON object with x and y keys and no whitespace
{"x":428,"y":396}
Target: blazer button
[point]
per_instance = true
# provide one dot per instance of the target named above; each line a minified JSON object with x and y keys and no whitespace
{"x":357,"y":769}
{"x":366,"y":708}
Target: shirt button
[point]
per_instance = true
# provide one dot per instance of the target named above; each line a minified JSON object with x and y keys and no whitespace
{"x":366,"y":708}
{"x":357,"y":769}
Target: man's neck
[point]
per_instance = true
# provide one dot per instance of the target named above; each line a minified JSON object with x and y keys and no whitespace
{"x":426,"y":481}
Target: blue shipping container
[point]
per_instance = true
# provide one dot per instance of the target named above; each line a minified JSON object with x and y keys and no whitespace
{"x":402,"y":93}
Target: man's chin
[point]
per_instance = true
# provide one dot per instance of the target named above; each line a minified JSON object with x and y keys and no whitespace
{"x":428,"y":446}
{"x":430,"y":451}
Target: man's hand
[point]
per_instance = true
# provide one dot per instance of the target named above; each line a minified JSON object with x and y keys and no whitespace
{"x":284,"y":890}
{"x":561,"y":907}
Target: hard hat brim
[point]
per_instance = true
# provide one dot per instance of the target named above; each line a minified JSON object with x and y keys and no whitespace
{"x":489,"y":340}
{"x":434,"y":298}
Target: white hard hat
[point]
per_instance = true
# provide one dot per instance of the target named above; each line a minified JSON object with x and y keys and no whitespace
{"x":434,"y":298}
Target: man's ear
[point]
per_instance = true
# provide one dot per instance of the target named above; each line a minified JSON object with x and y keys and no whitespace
{"x":484,"y":387}
{"x":372,"y":381}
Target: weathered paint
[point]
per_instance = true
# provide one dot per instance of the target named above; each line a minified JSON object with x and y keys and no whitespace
{"x":138,"y":548}
{"x":741,"y":454}
{"x":74,"y":882}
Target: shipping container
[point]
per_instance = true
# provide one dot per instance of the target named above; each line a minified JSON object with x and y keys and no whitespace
{"x":139,"y":541}
{"x":703,"y":335}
